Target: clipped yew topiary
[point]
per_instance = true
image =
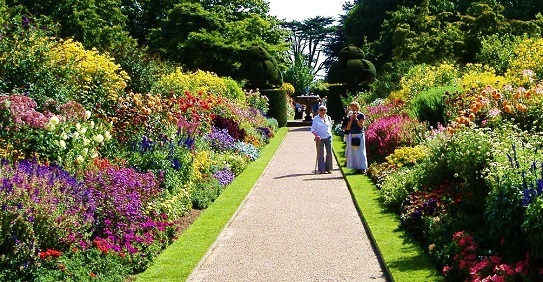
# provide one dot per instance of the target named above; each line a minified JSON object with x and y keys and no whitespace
{"x":262,"y":73}
{"x":277,"y":99}
{"x":349,"y":74}
{"x":261,"y":69}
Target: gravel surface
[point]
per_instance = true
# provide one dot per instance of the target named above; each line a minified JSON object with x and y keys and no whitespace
{"x":293,"y":226}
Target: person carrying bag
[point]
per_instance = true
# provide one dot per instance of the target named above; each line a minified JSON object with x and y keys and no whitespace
{"x":356,"y":143}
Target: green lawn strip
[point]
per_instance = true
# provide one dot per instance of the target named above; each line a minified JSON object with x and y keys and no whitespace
{"x":178,"y":260}
{"x":404,"y":259}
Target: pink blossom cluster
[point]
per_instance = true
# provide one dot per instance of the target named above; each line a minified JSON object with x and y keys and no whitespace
{"x":22,"y":111}
{"x":387,"y":133}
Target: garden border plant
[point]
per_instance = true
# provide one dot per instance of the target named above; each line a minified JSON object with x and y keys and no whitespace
{"x":178,"y":260}
{"x":404,"y":260}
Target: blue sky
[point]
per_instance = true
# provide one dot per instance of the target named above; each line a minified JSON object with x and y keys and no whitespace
{"x":303,"y":9}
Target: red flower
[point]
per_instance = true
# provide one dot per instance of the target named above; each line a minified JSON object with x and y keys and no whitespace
{"x":50,"y":253}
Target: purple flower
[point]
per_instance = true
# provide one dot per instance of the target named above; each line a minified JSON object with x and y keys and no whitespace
{"x":225,"y":176}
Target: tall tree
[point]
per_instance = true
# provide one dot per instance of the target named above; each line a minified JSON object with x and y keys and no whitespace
{"x":211,"y":35}
{"x":94,"y":23}
{"x":307,"y":39}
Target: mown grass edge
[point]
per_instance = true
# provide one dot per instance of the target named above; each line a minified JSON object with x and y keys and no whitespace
{"x":178,"y":260}
{"x":403,"y":258}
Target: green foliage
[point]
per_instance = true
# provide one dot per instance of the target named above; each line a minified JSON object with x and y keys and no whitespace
{"x":497,"y":51}
{"x":278,"y":105}
{"x":299,"y":75}
{"x":87,"y":265}
{"x":429,"y":105}
{"x":351,"y":69}
{"x":100,"y":24}
{"x":211,"y":37}
{"x":261,"y":69}
{"x":205,"y":192}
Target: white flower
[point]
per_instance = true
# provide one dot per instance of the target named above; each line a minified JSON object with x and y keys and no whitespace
{"x":54,"y":120}
{"x":78,"y":126}
{"x":87,"y":114}
{"x":51,"y":127}
{"x":85,"y":151}
{"x":79,"y":159}
{"x":63,"y":136}
{"x":83,"y":130}
{"x":99,"y":138}
{"x":76,"y":134}
{"x":62,"y":144}
{"x":107,"y":136}
{"x":86,"y":141}
{"x":92,"y":124}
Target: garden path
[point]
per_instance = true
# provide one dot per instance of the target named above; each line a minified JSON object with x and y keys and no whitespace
{"x":293,"y":226}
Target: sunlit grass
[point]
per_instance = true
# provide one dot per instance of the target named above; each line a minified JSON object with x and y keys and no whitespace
{"x":403,"y":258}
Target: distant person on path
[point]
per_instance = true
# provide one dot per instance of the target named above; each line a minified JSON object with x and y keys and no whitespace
{"x":356,"y":143}
{"x":322,"y":130}
{"x":324,"y":100}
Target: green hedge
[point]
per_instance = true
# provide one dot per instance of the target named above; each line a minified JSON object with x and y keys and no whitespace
{"x":277,"y":105}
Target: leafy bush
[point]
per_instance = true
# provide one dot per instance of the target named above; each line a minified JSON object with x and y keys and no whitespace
{"x":205,"y":192}
{"x":497,"y":51}
{"x":429,"y":105}
{"x":277,"y":105}
{"x":386,"y":134}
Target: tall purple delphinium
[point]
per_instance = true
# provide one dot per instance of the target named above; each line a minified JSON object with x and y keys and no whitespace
{"x":220,"y":140}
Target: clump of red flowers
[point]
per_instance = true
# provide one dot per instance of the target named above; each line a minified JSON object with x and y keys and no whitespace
{"x":50,"y":253}
{"x":483,"y":268}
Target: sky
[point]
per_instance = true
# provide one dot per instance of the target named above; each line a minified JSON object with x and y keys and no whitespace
{"x":303,"y":9}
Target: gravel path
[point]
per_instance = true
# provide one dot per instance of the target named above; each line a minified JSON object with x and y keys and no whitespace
{"x":293,"y":226}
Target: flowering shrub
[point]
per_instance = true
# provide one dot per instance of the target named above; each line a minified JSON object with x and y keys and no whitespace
{"x":42,"y":208}
{"x":68,"y":137}
{"x":385,"y":134}
{"x":422,"y":77}
{"x":225,"y":176}
{"x":98,"y":79}
{"x":179,"y":82}
{"x":526,"y":57}
{"x":407,"y":156}
{"x":468,"y":264}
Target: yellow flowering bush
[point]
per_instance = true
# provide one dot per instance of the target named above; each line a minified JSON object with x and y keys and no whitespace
{"x":476,"y":76}
{"x":98,"y":80}
{"x":202,"y":164}
{"x":422,"y":77}
{"x":407,"y":156}
{"x":178,"y":82}
{"x":527,"y":66}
